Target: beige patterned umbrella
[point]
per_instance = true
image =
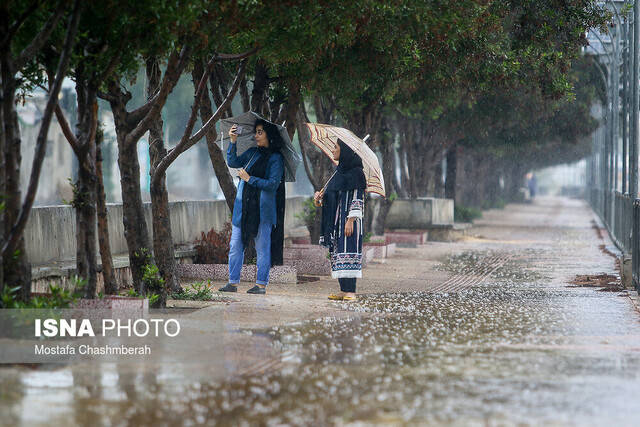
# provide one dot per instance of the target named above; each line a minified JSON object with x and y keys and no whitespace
{"x":326,"y":138}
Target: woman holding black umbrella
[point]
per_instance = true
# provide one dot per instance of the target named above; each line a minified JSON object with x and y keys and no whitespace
{"x":342,"y":212}
{"x":259,"y":199}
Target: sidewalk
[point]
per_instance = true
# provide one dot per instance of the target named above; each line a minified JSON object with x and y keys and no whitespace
{"x":487,"y":330}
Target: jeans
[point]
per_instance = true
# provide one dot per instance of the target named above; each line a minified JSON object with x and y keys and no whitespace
{"x":263,"y":250}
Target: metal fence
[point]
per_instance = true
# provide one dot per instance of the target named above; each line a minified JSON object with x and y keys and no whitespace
{"x":612,"y":168}
{"x":636,"y":245}
{"x":622,"y":221}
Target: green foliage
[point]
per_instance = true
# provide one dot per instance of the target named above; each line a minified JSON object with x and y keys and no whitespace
{"x":213,"y":247}
{"x":153,"y":297}
{"x":79,"y":199}
{"x":199,"y":291}
{"x":58,"y":297}
{"x":151,"y":278}
{"x":466,"y":213}
{"x":131,"y":293}
{"x":308,"y":214}
{"x":152,"y":281}
{"x":9,"y":297}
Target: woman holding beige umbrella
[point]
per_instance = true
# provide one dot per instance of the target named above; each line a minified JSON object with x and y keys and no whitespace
{"x":342,"y":211}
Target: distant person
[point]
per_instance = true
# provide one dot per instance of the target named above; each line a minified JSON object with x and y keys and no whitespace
{"x":533,"y":186}
{"x":255,"y":213}
{"x":342,"y":213}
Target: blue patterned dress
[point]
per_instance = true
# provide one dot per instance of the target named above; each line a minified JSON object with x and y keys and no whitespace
{"x":346,"y":252}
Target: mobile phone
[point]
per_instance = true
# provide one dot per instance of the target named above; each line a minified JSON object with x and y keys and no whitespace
{"x":239,"y":130}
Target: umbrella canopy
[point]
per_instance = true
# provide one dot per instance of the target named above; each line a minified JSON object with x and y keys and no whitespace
{"x":246,"y":140}
{"x":326,"y":137}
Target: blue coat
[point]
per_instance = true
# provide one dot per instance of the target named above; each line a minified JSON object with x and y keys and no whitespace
{"x":268,"y":185}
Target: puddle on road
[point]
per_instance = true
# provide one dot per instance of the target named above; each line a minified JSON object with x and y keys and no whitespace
{"x":475,"y":356}
{"x":508,"y":351}
{"x":490,"y":354}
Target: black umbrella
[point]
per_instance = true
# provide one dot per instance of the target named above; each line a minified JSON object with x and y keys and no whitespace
{"x":246,"y":129}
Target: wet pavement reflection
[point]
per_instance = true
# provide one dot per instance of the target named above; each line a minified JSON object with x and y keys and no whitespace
{"x":520,"y":346}
{"x":495,"y":353}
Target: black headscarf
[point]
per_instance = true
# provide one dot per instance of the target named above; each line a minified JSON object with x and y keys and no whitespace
{"x":349,"y":176}
{"x":349,"y":173}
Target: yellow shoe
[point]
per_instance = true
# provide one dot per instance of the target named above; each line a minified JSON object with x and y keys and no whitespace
{"x":349,"y":298}
{"x":336,"y":297}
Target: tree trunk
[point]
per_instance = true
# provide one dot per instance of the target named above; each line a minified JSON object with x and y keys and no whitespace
{"x":135,"y":224}
{"x":514,"y":180}
{"x":216,"y":155}
{"x":259,"y":101}
{"x":387,"y":151}
{"x":108,"y":273}
{"x":437,"y":179}
{"x":84,"y":199}
{"x":473,"y":189}
{"x":130,"y":127}
{"x":17,"y":271}
{"x":317,"y":165}
{"x":244,"y":95}
{"x":450,"y":177}
{"x":291,"y":108}
{"x":412,"y":161}
{"x":161,"y":219}
{"x":493,"y":171}
{"x":2,"y":168}
{"x":403,"y":189}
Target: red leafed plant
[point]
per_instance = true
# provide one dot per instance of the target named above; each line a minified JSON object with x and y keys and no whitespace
{"x":213,"y":247}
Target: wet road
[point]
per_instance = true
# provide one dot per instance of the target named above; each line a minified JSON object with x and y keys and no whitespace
{"x":486,"y":331}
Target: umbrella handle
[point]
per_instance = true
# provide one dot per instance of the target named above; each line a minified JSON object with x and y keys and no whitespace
{"x":315,"y":202}
{"x":318,"y":204}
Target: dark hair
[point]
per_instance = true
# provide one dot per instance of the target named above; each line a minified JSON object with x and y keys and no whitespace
{"x":273,"y":134}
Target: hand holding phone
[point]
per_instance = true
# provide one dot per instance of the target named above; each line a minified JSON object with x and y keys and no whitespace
{"x":234,"y":132}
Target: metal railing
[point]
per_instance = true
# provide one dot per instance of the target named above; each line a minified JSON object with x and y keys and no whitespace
{"x":622,"y":221}
{"x":612,"y":168}
{"x":635,"y":251}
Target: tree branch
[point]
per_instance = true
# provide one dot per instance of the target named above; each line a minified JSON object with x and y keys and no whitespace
{"x":106,"y":96}
{"x":66,"y":130}
{"x":139,"y":113}
{"x":41,"y":143}
{"x":171,"y":76}
{"x":302,"y":120}
{"x":41,"y":38}
{"x":114,"y":61}
{"x":187,"y":142}
{"x":229,"y":57}
{"x":221,"y":109}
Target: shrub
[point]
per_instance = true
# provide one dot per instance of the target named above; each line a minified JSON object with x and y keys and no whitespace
{"x":311,"y":216}
{"x":199,"y":291}
{"x":466,"y":213}
{"x":213,"y":247}
{"x":58,"y":297}
{"x":153,"y":297}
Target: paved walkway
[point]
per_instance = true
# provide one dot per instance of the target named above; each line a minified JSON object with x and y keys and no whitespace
{"x":488,"y":330}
